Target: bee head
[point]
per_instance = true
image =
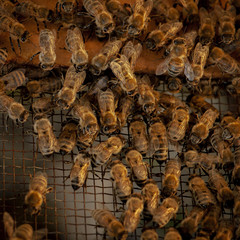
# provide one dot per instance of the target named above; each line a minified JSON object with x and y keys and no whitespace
{"x":24,"y":36}
{"x":34,"y":200}
{"x":47,"y":67}
{"x":195,"y":139}
{"x":227,"y":38}
{"x":106,"y":21}
{"x":68,"y":7}
{"x":23,"y":116}
{"x":227,"y":135}
{"x":151,"y":44}
{"x":174,"y":84}
{"x":148,"y":108}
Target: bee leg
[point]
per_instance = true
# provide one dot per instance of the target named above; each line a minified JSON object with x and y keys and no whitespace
{"x":45,"y":24}
{"x":58,"y":30}
{"x":49,"y":190}
{"x":34,"y":56}
{"x":6,"y":123}
{"x":37,"y":24}
{"x":10,"y":39}
{"x":56,"y":8}
{"x":19,"y":46}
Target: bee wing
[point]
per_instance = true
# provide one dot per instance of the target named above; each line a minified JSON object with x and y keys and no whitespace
{"x":190,"y":39}
{"x":231,"y":11}
{"x":219,"y":11}
{"x":117,"y":71}
{"x":138,"y":6}
{"x":203,"y":15}
{"x":163,"y":66}
{"x":188,"y":70}
{"x":200,"y":54}
{"x":171,"y":29}
{"x":148,"y":5}
{"x":138,"y":49}
{"x":8,"y":224}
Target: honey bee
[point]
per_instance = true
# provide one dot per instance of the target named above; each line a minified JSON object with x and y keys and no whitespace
{"x":100,"y":61}
{"x":206,"y":31}
{"x":75,"y":45}
{"x":166,"y":11}
{"x":206,"y":161}
{"x":189,"y":225}
{"x":224,"y":61}
{"x":177,"y":60}
{"x":201,"y":194}
{"x":151,"y":194}
{"x":200,"y":56}
{"x":165,"y":32}
{"x":15,"y":110}
{"x":177,"y":127}
{"x":211,"y":219}
{"x":138,"y":167}
{"x":103,"y":18}
{"x":132,"y":52}
{"x":149,"y":234}
{"x":104,"y":150}
{"x":174,"y":85}
{"x":138,"y":131}
{"x":67,"y":6}
{"x":200,"y":130}
{"x":68,"y":137}
{"x":236,"y":169}
{"x":79,"y":171}
{"x":158,"y":143}
{"x":24,"y":231}
{"x":200,"y":104}
{"x":13,"y":80}
{"x":3,"y":56}
{"x":172,"y":234}
{"x":107,"y":220}
{"x":218,"y":183}
{"x":134,"y":208}
{"x":138,"y":21}
{"x":122,"y":70}
{"x":225,"y":230}
{"x":171,"y":177}
{"x":43,"y":105}
{"x":169,"y":101}
{"x":38,"y":12}
{"x":226,"y":19}
{"x":146,"y":97}
{"x":107,"y":106}
{"x":222,"y":147}
{"x":47,"y":141}
{"x":166,"y":211}
{"x":126,"y":106}
{"x":83,"y":111}
{"x":16,"y":29}
{"x":122,"y":184}
{"x":232,"y":130}
{"x":37,"y":193}
{"x":47,"y":55}
{"x":45,"y":85}
{"x":72,"y":84}
{"x":190,"y":9}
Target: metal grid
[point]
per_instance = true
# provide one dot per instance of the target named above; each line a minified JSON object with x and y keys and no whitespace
{"x":67,"y":214}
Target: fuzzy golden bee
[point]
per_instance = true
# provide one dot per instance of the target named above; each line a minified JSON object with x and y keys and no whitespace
{"x":72,"y":84}
{"x":166,"y":211}
{"x":102,"y":152}
{"x":37,"y":192}
{"x":47,"y":141}
{"x":201,"y":194}
{"x":172,"y":234}
{"x":122,"y":184}
{"x":138,"y":131}
{"x":75,"y":45}
{"x":138,"y":21}
{"x":79,"y":171}
{"x":134,"y":208}
{"x":158,"y":142}
{"x":138,"y":167}
{"x":43,"y":105}
{"x":103,"y":18}
{"x":149,"y":234}
{"x":107,"y":220}
{"x":68,"y":137}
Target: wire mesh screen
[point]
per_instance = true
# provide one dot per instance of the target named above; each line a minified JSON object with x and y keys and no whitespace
{"x":67,"y":213}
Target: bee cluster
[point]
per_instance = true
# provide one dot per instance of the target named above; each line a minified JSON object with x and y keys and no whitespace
{"x":99,"y":97}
